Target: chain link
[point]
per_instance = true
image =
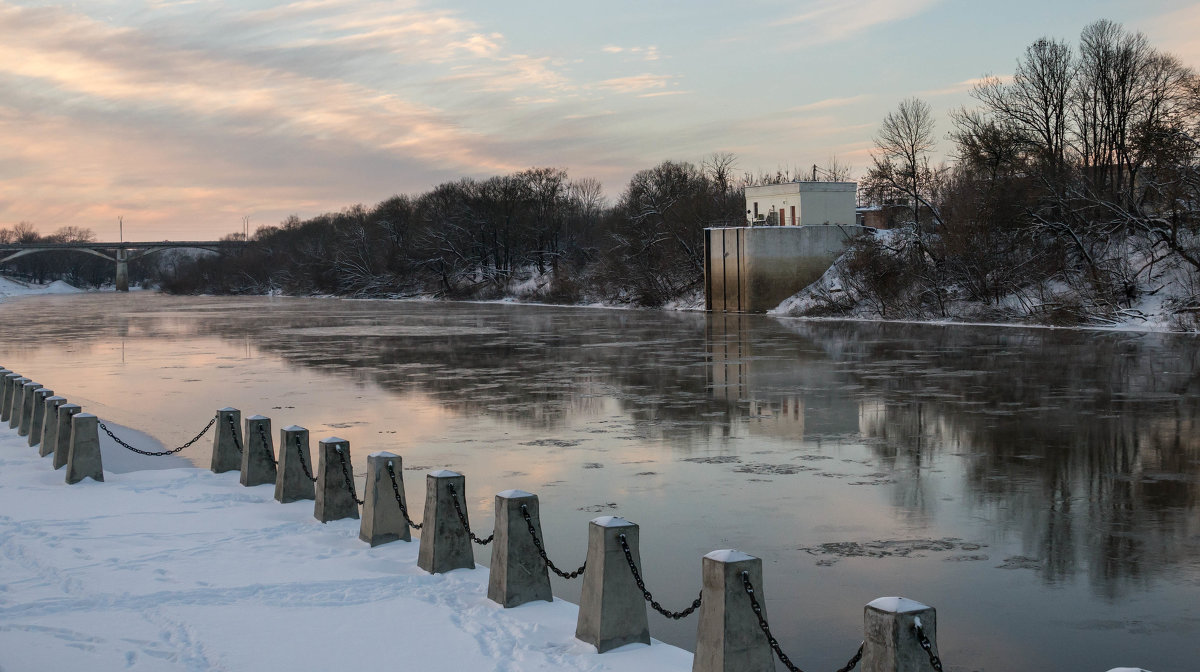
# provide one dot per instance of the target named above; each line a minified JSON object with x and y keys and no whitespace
{"x":400,"y":500}
{"x":934,"y":661}
{"x":542,"y":551}
{"x":346,"y":474}
{"x":163,"y":452}
{"x":237,"y":441}
{"x":637,"y":577}
{"x":262,"y":434}
{"x":463,"y":519}
{"x":304,"y":465}
{"x":766,"y":629}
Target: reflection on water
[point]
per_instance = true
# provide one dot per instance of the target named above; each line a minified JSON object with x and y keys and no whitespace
{"x":1038,"y":486}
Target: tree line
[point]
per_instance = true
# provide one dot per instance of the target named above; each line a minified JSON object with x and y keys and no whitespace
{"x":535,"y":234}
{"x":1072,"y":194}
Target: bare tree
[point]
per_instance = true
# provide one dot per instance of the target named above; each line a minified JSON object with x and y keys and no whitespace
{"x":901,"y":160}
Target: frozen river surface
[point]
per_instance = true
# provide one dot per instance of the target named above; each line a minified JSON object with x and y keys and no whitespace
{"x":1040,"y":488}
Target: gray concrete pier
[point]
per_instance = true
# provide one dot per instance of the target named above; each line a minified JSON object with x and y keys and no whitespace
{"x":6,"y":378}
{"x":612,"y":611}
{"x":728,"y":638}
{"x":382,"y":521}
{"x":334,"y":500}
{"x":84,"y":458}
{"x":445,"y":544}
{"x":49,"y":442}
{"x":518,"y":574}
{"x":12,"y":399}
{"x":291,"y":483}
{"x":227,"y":442}
{"x":890,"y":643}
{"x":62,"y":431}
{"x":38,"y":415}
{"x":258,"y":455}
{"x":27,"y":406}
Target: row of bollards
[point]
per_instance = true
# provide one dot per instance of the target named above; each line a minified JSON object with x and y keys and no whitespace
{"x":732,"y":631}
{"x":56,"y":427}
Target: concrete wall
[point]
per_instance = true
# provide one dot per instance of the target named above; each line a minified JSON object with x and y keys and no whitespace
{"x":753,"y":269}
{"x":815,"y":203}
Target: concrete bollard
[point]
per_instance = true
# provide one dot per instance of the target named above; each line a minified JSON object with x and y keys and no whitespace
{"x":518,"y":574}
{"x":27,"y":405}
{"x":227,"y":443}
{"x":890,"y":643}
{"x":84,"y":459}
{"x":12,"y":403}
{"x":49,"y":442}
{"x":258,"y":457}
{"x":334,"y":500}
{"x":382,"y":521}
{"x":6,"y":378}
{"x":612,"y":611}
{"x":291,"y":482}
{"x":62,"y":432}
{"x":37,"y":417}
{"x":728,"y":638}
{"x":445,"y":544}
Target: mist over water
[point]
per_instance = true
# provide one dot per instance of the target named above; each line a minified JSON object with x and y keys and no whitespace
{"x":1038,"y":487}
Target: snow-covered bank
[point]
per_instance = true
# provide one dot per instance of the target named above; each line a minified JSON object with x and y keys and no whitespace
{"x":183,"y":569}
{"x":16,"y":288}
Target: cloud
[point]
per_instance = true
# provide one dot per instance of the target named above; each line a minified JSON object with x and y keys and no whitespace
{"x":827,"y":21}
{"x":964,"y":86}
{"x":1175,"y":33}
{"x":649,"y":53}
{"x":831,"y":103}
{"x":636,"y":83}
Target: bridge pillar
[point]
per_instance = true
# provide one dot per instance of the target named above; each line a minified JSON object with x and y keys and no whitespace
{"x":122,"y":281}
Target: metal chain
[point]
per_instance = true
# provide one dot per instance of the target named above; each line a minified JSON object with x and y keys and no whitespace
{"x":463,"y":519}
{"x":783,"y":658}
{"x":303,"y":464}
{"x":163,"y":452}
{"x":262,"y":434}
{"x":934,"y":661}
{"x":346,"y":474}
{"x":400,"y":500}
{"x":237,"y":441}
{"x":637,"y":577}
{"x":542,"y":551}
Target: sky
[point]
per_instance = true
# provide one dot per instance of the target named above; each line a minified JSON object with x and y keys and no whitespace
{"x":186,"y":118}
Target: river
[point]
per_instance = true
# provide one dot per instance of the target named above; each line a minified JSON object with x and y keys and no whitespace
{"x":1040,"y":488}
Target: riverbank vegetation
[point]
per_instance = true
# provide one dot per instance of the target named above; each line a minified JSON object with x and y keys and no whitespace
{"x":1073,"y":196}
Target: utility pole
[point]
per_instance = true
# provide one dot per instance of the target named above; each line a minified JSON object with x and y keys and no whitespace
{"x":121,"y":227}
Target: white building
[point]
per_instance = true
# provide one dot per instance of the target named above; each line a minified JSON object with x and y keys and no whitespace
{"x":802,"y":203}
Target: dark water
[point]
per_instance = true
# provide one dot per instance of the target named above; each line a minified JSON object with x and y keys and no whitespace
{"x":1038,"y":487}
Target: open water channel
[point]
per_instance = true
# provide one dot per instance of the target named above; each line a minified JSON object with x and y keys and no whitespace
{"x":1040,"y":488}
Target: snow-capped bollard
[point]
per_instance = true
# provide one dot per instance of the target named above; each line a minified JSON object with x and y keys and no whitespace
{"x":334,"y":498}
{"x":258,"y":455}
{"x":27,"y":395}
{"x":49,"y":442}
{"x":37,"y":417}
{"x":890,"y":642}
{"x":612,"y":611}
{"x":227,"y":444}
{"x":12,"y":385}
{"x":728,"y":638}
{"x":518,"y":574}
{"x":293,"y":477}
{"x":62,"y":433}
{"x":84,"y":459}
{"x":445,"y":544}
{"x":382,"y":521}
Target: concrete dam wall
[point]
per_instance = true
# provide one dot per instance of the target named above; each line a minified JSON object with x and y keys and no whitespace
{"x":753,"y":269}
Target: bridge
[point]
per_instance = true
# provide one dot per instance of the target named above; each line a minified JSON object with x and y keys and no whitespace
{"x":119,"y":253}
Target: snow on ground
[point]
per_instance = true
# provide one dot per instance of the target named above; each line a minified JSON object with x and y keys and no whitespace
{"x":183,"y":569}
{"x":10,"y":287}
